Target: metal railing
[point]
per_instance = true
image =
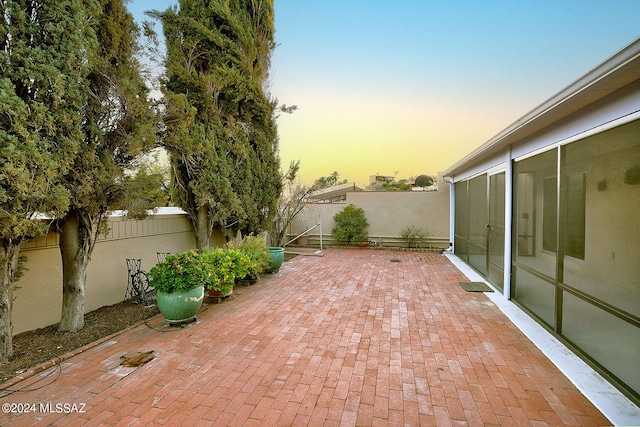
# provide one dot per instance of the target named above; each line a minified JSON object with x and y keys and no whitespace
{"x":305,"y":232}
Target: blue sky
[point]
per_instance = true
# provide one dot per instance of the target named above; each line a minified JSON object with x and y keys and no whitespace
{"x":411,"y":86}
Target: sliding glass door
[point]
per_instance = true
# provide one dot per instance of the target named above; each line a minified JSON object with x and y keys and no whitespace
{"x":576,"y":257}
{"x":480,"y":229}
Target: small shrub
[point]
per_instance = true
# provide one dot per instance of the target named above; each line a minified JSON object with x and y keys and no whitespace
{"x":423,"y":181}
{"x":413,"y":234}
{"x":254,"y":249}
{"x":350,"y":224}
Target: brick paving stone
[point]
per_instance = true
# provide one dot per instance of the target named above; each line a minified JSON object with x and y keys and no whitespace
{"x":348,"y":338}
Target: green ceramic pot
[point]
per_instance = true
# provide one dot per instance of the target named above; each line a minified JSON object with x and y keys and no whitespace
{"x":181,"y":306}
{"x":277,"y":256}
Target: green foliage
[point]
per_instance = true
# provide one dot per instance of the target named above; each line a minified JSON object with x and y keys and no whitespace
{"x":119,"y":124}
{"x":219,"y":122}
{"x":217,"y":269}
{"x":180,"y":272}
{"x":20,"y":268}
{"x":146,"y":189}
{"x":413,"y":234}
{"x":27,"y":168}
{"x":42,"y":92}
{"x":423,"y":181}
{"x":350,"y":224}
{"x":254,"y":249}
{"x":328,"y":181}
{"x":225,"y":267}
{"x":45,"y":52}
{"x":401,"y":185}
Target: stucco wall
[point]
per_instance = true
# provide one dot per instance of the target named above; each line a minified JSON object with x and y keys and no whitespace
{"x":40,"y":289}
{"x":387,"y":213}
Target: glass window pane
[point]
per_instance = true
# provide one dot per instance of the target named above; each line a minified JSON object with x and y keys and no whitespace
{"x":535,"y":294}
{"x":478,"y":223}
{"x":461,"y":220}
{"x":550,"y":214}
{"x":603,"y":244}
{"x":496,"y":229}
{"x":612,"y":342}
{"x":575,"y":223}
{"x":534,"y":219}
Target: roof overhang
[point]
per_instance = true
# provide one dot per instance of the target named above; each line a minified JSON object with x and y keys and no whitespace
{"x":620,"y":70}
{"x":335,"y":191}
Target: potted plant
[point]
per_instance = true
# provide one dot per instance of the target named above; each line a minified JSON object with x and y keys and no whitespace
{"x":225,"y":265}
{"x":362,"y":242}
{"x":179,"y":282}
{"x":276,"y":256}
{"x":257,"y":258}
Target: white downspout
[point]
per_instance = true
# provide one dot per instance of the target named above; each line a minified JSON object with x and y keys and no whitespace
{"x":452,"y":211}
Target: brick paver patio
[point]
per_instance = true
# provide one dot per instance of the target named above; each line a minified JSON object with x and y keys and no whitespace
{"x":354,"y":337}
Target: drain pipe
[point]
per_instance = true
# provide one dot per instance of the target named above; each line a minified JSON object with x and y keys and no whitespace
{"x":452,"y":211}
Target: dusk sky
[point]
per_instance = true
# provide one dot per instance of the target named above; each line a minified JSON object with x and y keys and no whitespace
{"x":408,"y":87}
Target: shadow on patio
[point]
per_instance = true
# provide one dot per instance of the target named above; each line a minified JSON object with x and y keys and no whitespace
{"x":350,"y":338}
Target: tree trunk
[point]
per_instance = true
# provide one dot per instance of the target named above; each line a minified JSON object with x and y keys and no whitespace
{"x":9,"y":254}
{"x":203,"y":229}
{"x":75,"y":249}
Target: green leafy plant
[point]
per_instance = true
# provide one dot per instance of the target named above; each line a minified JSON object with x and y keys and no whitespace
{"x":180,"y":272}
{"x":225,"y":266}
{"x":351,"y":223}
{"x":253,"y":248}
{"x":413,"y":234}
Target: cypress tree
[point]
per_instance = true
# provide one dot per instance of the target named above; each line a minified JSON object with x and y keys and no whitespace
{"x":219,"y":119}
{"x":118,"y":126}
{"x":43,"y":59}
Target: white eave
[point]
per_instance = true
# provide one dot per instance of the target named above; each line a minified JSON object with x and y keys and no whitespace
{"x":620,"y":70}
{"x":335,"y":191}
{"x":159,"y":211}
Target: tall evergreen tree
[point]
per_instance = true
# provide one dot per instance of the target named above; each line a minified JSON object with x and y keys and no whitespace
{"x":118,"y":126}
{"x":45,"y":48}
{"x":219,"y":120}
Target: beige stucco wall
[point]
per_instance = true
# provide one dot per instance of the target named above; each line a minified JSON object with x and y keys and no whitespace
{"x":40,"y":289}
{"x":38,"y":297}
{"x":387,"y":213}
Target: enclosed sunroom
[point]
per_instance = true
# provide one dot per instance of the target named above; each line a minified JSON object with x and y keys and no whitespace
{"x":548,"y":211}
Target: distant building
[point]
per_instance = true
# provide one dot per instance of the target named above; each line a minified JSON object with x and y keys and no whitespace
{"x":335,"y":194}
{"x":547,"y":211}
{"x":380,"y":179}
